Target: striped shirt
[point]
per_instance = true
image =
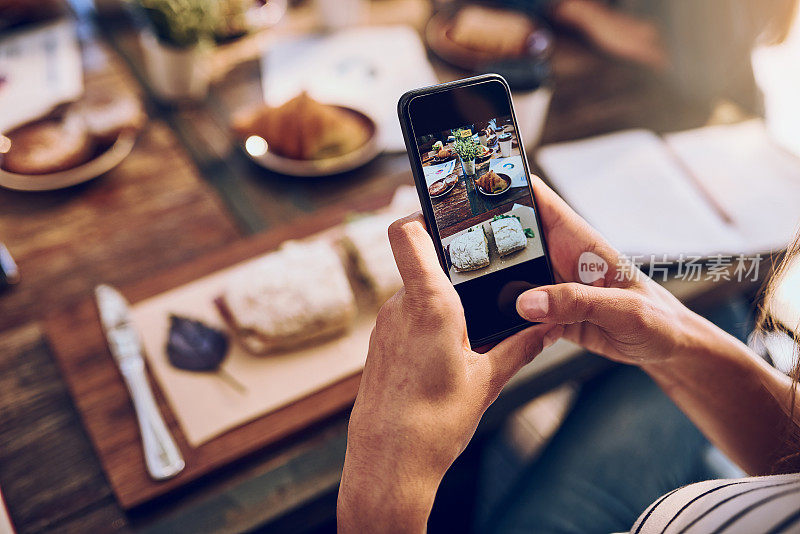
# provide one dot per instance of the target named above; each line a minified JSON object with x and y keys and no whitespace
{"x":753,"y":505}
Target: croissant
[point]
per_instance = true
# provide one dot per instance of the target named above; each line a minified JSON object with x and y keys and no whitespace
{"x":303,"y":128}
{"x":491,"y":182}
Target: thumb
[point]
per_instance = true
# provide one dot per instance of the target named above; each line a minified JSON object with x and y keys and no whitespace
{"x":574,"y":303}
{"x":513,"y":353}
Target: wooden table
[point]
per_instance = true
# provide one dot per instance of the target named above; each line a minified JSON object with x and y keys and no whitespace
{"x":186,"y":191}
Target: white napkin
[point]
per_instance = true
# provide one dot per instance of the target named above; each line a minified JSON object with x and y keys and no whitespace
{"x":511,"y":166}
{"x":437,"y":172}
{"x":39,"y":69}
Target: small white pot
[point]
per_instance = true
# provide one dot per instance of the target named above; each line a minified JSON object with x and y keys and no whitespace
{"x":505,"y":148}
{"x":175,"y":73}
{"x":468,"y":166}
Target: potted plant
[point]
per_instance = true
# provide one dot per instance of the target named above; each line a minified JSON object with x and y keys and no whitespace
{"x":176,"y":46}
{"x":467,"y":149}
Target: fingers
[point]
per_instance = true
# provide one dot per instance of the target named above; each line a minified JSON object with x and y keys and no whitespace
{"x":549,"y":203}
{"x":510,"y":355}
{"x":569,"y":236}
{"x":558,"y":216}
{"x":414,"y":253}
{"x":574,"y":303}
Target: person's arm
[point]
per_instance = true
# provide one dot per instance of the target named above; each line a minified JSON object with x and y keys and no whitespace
{"x":422,"y":393}
{"x":424,"y":390}
{"x":736,"y":399}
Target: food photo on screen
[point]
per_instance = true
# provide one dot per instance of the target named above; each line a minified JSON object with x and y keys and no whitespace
{"x":479,"y":192}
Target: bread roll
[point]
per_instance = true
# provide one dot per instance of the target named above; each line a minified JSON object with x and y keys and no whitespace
{"x":48,"y":146}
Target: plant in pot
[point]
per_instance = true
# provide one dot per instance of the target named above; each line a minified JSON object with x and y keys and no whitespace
{"x":176,"y":46}
{"x":467,"y":149}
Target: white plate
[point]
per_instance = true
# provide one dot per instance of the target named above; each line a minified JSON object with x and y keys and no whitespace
{"x":256,"y":148}
{"x":77,"y":175}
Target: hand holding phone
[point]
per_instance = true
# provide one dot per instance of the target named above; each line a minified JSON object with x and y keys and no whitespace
{"x":474,"y":185}
{"x":422,"y":393}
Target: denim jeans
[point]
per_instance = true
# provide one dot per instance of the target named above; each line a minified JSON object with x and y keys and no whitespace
{"x":622,"y":446}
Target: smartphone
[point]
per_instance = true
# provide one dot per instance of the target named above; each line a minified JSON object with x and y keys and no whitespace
{"x":474,"y":185}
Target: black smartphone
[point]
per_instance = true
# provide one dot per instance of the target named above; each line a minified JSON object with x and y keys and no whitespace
{"x":474,"y":185}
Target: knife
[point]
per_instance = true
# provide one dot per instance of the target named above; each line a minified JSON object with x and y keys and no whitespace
{"x":9,"y":273}
{"x":161,"y":454}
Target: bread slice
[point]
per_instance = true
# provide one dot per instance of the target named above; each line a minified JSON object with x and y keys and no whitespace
{"x":295,"y":295}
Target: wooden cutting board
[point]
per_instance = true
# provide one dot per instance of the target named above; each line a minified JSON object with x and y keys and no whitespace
{"x":102,"y":400}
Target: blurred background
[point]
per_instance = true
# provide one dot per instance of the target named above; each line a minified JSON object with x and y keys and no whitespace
{"x":159,"y":146}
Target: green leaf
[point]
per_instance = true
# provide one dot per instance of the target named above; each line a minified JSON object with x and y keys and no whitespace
{"x":499,"y":217}
{"x":529,"y":232}
{"x":466,"y":147}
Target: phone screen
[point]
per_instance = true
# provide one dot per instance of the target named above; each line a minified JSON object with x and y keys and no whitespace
{"x":479,"y":194}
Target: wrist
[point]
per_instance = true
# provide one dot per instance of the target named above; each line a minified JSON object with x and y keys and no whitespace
{"x":378,"y":497}
{"x":388,"y":484}
{"x":699,"y":347}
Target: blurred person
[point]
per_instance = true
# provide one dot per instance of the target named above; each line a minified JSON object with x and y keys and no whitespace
{"x":702,"y":46}
{"x":424,"y":391}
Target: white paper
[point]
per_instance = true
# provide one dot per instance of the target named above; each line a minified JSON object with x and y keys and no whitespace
{"x":438,"y":171}
{"x":204,"y":405}
{"x":755,"y":181}
{"x":513,"y":167}
{"x":366,"y":68}
{"x":629,"y":187}
{"x":39,"y":69}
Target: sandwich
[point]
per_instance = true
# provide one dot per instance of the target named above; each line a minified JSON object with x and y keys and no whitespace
{"x":367,"y":242}
{"x":293,"y":296}
{"x":470,"y":250}
{"x":509,"y":235}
